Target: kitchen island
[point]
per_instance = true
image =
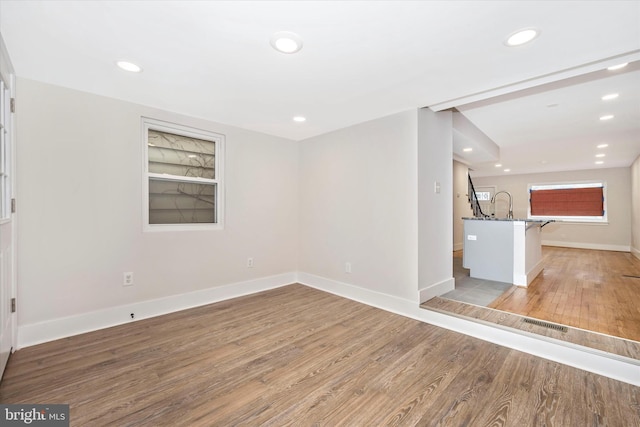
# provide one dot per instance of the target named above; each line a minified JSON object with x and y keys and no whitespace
{"x":503,"y":249}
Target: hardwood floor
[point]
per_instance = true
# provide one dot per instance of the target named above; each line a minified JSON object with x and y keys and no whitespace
{"x":299,"y":356}
{"x":588,"y":289}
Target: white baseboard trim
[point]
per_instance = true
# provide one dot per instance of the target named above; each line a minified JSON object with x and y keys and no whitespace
{"x":526,"y":279}
{"x":577,"y":357}
{"x":37,"y":333}
{"x":579,"y":245}
{"x":635,"y":252}
{"x":533,"y":273}
{"x":520,"y":280}
{"x":437,"y":289}
{"x":375,"y":299}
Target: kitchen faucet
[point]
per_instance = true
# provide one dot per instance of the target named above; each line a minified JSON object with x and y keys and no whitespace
{"x":493,"y":200}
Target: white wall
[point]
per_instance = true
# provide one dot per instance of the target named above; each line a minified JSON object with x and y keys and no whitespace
{"x":461,"y":206}
{"x":435,"y":208}
{"x":635,"y":207}
{"x":616,"y":235}
{"x":80,"y":208}
{"x":358,"y":204}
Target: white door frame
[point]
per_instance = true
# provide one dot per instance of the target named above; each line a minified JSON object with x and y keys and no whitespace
{"x":7,"y":75}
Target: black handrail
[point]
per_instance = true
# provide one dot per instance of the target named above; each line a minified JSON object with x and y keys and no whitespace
{"x":473,"y":199}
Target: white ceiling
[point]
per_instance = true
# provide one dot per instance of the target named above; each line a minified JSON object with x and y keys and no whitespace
{"x":361,"y":60}
{"x":557,"y":126}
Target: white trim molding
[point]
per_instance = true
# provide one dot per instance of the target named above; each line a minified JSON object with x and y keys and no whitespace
{"x":437,"y":289}
{"x":580,"y":245}
{"x":380,"y":300}
{"x":37,"y":333}
{"x":526,"y":279}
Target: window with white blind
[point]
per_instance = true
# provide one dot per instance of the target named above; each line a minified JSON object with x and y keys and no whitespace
{"x":579,"y":202}
{"x":183,"y":177}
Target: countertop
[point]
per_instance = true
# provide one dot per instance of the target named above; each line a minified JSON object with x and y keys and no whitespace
{"x":508,"y":219}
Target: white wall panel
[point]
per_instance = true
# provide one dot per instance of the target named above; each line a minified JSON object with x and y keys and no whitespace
{"x":358,"y":205}
{"x":80,"y":175}
{"x":435,"y":204}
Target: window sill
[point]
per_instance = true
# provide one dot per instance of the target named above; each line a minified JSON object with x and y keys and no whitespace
{"x":153,"y":228}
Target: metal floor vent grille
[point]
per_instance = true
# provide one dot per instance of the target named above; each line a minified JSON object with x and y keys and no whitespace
{"x":546,"y":325}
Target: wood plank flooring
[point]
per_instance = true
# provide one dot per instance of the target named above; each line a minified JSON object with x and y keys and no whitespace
{"x":299,"y":356}
{"x":588,"y":289}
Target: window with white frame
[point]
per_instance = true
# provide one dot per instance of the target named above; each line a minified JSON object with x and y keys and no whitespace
{"x":183,"y":177}
{"x":578,"y":201}
{"x":484,"y":195}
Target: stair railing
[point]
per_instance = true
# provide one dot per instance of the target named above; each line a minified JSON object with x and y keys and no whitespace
{"x":473,"y":200}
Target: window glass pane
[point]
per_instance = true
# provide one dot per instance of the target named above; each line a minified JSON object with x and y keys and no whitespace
{"x":172,"y":202}
{"x":483,"y":195}
{"x":180,"y":155}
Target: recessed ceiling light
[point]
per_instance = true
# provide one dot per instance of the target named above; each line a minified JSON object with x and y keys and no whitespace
{"x":286,"y":42}
{"x":507,"y":170}
{"x":600,"y":155}
{"x":466,"y":150}
{"x":521,"y":37}
{"x":299,"y":119}
{"x":610,"y":96}
{"x":599,"y":162}
{"x":607,"y":117}
{"x":603,"y":146}
{"x":498,"y":165}
{"x":617,"y":67}
{"x":129,"y":66}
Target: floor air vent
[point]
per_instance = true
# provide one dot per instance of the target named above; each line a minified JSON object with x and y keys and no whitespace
{"x":546,"y":325}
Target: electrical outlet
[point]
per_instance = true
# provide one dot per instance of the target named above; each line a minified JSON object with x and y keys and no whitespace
{"x":249,"y":262}
{"x":347,"y":267}
{"x":128,"y":279}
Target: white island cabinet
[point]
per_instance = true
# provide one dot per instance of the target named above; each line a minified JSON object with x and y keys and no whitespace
{"x":504,"y":250}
